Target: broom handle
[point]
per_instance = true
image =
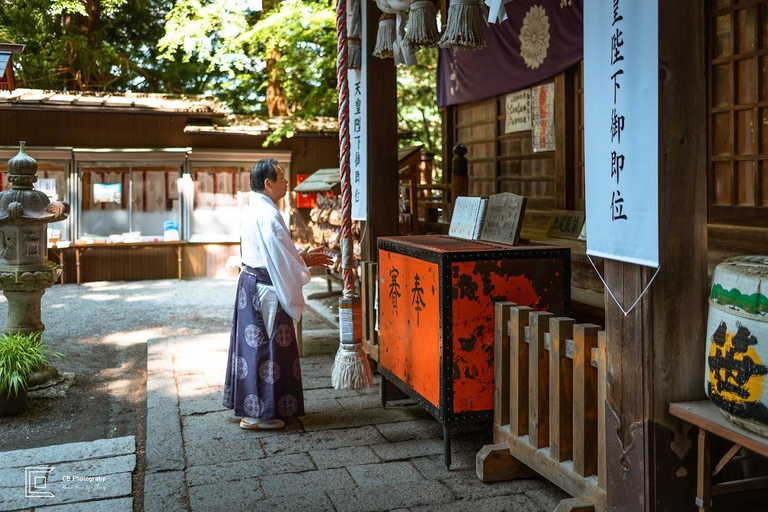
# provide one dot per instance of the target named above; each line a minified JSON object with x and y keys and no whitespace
{"x":346,"y":186}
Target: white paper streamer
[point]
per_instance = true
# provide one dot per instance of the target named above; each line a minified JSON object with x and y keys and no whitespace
{"x":497,"y":11}
{"x":403,"y":53}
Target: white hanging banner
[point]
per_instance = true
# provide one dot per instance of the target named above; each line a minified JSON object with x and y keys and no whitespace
{"x":358,"y":143}
{"x":621,"y":107}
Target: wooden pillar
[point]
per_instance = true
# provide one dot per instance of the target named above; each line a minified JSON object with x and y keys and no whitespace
{"x":656,"y":353}
{"x":382,"y":139}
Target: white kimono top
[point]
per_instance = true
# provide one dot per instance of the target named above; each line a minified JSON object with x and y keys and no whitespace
{"x":266,"y":242}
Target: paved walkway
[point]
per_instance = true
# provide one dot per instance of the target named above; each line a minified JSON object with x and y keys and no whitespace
{"x":346,"y":454}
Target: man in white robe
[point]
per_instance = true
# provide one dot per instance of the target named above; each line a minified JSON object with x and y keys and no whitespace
{"x":263,"y":381}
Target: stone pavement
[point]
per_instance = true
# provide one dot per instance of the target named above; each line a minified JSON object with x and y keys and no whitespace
{"x":84,"y":477}
{"x":346,"y":454}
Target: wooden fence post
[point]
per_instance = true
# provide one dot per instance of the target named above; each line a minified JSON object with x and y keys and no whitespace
{"x":538,"y":381}
{"x":501,"y":363}
{"x":584,"y":400}
{"x":560,"y":390}
{"x":518,"y":353}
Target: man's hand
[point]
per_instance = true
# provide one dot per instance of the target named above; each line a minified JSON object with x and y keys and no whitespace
{"x":317,"y":258}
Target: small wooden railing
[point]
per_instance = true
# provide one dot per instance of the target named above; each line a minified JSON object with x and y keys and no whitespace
{"x":549,"y":400}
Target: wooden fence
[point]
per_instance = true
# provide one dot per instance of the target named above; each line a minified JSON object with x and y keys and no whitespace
{"x":549,"y":411}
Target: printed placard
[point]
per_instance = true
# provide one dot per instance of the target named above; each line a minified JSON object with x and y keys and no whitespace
{"x":543,"y":117}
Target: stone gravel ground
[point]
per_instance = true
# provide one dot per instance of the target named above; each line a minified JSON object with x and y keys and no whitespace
{"x":102,"y":329}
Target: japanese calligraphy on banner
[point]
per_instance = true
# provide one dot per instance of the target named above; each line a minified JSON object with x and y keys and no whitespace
{"x":621,"y":105}
{"x":543,"y":117}
{"x":358,"y":150}
{"x":518,"y":107}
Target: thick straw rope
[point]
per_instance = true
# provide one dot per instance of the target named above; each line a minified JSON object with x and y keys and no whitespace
{"x":346,"y":186}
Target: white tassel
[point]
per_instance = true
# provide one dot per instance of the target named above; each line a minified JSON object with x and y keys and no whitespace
{"x":385,"y":37}
{"x":422,"y":24}
{"x":351,"y":369}
{"x":463,"y":30}
{"x":355,"y":31}
{"x":354,"y":53}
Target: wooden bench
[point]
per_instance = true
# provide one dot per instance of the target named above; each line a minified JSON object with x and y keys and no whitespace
{"x":705,"y":415}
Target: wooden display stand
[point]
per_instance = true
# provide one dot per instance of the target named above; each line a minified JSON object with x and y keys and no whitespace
{"x":710,"y":421}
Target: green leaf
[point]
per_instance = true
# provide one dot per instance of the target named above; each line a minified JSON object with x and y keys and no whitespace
{"x":20,"y":355}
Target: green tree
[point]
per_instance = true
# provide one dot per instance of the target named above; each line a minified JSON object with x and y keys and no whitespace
{"x":99,"y":45}
{"x":278,"y":61}
{"x":417,"y":113}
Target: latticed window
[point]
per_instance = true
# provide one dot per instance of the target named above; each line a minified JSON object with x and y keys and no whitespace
{"x":738,"y":148}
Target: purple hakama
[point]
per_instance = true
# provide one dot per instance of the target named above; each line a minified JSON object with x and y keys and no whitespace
{"x":263,"y":378}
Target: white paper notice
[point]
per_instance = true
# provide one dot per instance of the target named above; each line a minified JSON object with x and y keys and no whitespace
{"x":464,"y":218}
{"x":518,"y":108}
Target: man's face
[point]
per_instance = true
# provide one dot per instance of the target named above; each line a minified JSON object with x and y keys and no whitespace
{"x":280,"y":186}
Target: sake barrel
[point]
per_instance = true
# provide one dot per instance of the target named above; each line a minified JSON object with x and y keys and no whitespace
{"x":737,"y":341}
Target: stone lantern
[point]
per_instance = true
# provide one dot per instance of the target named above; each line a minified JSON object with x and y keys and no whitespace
{"x":25,"y":271}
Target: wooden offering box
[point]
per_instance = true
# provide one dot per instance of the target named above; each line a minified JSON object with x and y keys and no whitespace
{"x":436,"y":316}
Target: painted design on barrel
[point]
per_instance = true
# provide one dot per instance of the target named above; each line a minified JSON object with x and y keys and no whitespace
{"x":754,"y":304}
{"x":736,"y":376}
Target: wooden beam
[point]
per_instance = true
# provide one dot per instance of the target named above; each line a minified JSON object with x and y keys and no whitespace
{"x":494,"y":463}
{"x":538,"y":381}
{"x":575,"y":505}
{"x":651,"y":461}
{"x":518,"y":354}
{"x":382,"y":139}
{"x":559,"y":473}
{"x":560,"y":390}
{"x":501,"y":363}
{"x":585,"y":404}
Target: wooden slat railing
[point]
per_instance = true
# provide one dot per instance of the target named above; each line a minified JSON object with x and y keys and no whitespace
{"x":549,"y":399}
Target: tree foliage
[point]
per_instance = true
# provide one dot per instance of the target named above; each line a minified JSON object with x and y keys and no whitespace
{"x":417,"y":113}
{"x":278,"y":61}
{"x":270,"y":57}
{"x":97,"y":45}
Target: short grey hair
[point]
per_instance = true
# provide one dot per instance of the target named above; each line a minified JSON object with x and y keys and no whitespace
{"x":262,"y":170}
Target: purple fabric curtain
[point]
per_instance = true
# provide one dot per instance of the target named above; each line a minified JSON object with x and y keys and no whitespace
{"x":551,"y":42}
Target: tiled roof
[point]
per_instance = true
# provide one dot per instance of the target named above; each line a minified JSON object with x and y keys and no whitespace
{"x":259,"y":126}
{"x":111,"y":101}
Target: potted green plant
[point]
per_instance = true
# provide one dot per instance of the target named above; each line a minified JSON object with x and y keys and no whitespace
{"x":20,"y":355}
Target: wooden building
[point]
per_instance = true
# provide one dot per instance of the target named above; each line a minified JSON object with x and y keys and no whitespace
{"x":137,"y":164}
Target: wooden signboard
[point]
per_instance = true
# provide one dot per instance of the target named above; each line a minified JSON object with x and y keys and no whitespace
{"x":566,"y":224}
{"x":503,"y":218}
